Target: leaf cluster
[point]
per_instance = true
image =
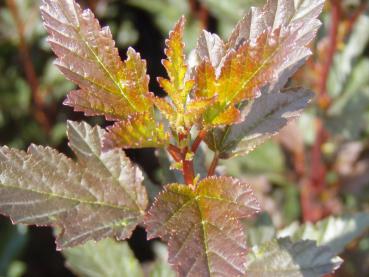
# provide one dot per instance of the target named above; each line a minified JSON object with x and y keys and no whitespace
{"x":232,"y":95}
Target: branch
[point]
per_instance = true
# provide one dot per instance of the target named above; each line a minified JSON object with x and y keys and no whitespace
{"x":323,"y":97}
{"x":213,"y":164}
{"x":38,"y":102}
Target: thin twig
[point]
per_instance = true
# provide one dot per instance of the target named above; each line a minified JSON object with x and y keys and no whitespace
{"x":37,"y":99}
{"x":198,"y":140}
{"x":213,"y":164}
{"x":323,"y":97}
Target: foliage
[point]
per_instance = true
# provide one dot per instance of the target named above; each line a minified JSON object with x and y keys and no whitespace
{"x":232,"y":95}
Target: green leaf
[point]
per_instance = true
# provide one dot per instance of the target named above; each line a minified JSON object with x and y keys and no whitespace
{"x":104,"y":258}
{"x":280,"y":258}
{"x":345,"y":61}
{"x":100,"y":196}
{"x":202,"y":225}
{"x":160,"y":267}
{"x":334,"y":232}
{"x":264,"y":119}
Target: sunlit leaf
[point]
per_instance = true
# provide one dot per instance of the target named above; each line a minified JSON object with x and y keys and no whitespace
{"x":140,"y":131}
{"x":282,"y":258}
{"x":100,"y":196}
{"x":202,"y":225}
{"x":104,"y":258}
{"x":255,"y":55}
{"x":87,"y":55}
{"x":334,"y":232}
{"x":266,"y":116}
{"x":181,"y":112}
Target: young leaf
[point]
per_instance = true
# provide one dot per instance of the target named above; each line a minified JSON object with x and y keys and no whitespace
{"x":266,"y":116}
{"x":100,"y":196}
{"x":256,"y":52}
{"x":282,"y":258}
{"x":139,"y":131}
{"x":104,"y":258}
{"x":202,"y":225}
{"x":181,"y":112}
{"x":334,"y":232}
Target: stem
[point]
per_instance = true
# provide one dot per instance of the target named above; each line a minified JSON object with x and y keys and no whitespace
{"x":198,"y":140}
{"x":200,"y":12}
{"x":37,"y":99}
{"x":175,"y":152}
{"x":213,"y":164}
{"x":323,"y":97}
{"x":188,"y":170}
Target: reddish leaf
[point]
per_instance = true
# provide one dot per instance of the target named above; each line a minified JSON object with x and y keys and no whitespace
{"x":202,"y":225}
{"x":100,"y":196}
{"x":264,"y":50}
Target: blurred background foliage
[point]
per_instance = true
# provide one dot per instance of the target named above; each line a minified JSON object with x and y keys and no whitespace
{"x":317,"y":167}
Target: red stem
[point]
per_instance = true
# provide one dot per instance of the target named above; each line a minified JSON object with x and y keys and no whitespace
{"x":213,"y":165}
{"x":198,"y":140}
{"x":323,"y":97}
{"x":188,"y":170}
{"x":175,"y":152}
{"x":37,"y":99}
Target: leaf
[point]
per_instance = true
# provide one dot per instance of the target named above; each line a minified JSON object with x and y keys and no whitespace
{"x":181,"y":112}
{"x":100,"y":196}
{"x":140,"y":131}
{"x":266,"y":116}
{"x":333,"y":232}
{"x":211,"y":47}
{"x":87,"y":56}
{"x":160,"y":267}
{"x":104,"y":258}
{"x":282,"y":258}
{"x":202,"y":225}
{"x":345,"y":61}
{"x":255,"y":56}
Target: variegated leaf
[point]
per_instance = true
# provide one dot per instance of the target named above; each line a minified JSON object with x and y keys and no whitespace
{"x":87,"y":56}
{"x":266,"y":116}
{"x":140,"y":131}
{"x":100,"y":196}
{"x":202,"y":225}
{"x":265,"y":49}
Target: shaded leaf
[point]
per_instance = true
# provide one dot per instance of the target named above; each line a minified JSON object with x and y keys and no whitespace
{"x":100,"y":196}
{"x":87,"y":56}
{"x":282,"y":258}
{"x":345,"y":61}
{"x":334,"y":232}
{"x":202,"y":225}
{"x":104,"y":258}
{"x":266,"y":116}
{"x":140,"y":131}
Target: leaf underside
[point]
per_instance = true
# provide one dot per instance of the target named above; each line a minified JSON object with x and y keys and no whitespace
{"x":266,"y":116}
{"x":202,"y":226}
{"x":100,"y":196}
